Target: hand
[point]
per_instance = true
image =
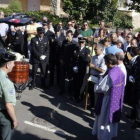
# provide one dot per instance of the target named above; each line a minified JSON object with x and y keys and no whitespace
{"x":42,"y":57}
{"x":15,"y":124}
{"x":131,"y":79}
{"x":91,"y":65}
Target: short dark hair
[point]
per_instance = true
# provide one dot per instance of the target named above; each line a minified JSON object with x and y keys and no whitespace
{"x":2,"y":63}
{"x":111,"y":58}
{"x":69,"y":31}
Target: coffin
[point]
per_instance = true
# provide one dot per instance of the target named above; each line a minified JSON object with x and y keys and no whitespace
{"x":20,"y":72}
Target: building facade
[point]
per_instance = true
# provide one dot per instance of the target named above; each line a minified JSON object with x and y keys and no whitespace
{"x":35,"y":5}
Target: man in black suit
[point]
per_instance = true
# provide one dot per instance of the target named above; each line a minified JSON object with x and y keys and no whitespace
{"x":18,"y":40}
{"x":66,"y":59}
{"x":40,"y":56}
{"x":54,"y":61}
{"x":48,"y":33}
{"x":80,"y":62}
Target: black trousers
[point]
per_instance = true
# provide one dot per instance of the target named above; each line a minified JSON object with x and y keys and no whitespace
{"x":5,"y":126}
{"x":43,"y":68}
{"x":91,"y":93}
{"x":54,"y":66}
{"x":78,"y":82}
{"x":66,"y":71}
{"x":135,"y":112}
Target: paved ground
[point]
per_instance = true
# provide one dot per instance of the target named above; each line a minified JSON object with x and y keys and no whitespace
{"x":73,"y":122}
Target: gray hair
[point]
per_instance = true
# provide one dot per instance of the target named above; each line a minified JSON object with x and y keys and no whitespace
{"x":99,"y":45}
{"x":120,"y":56}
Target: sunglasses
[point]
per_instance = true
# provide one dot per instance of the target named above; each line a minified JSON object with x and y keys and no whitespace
{"x":69,"y":24}
{"x":73,"y":22}
{"x":81,"y":42}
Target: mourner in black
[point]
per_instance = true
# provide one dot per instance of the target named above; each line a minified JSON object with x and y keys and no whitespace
{"x":80,"y":63}
{"x":40,"y":56}
{"x":134,"y":78}
{"x":54,"y":61}
{"x":48,"y":33}
{"x":18,"y":40}
{"x":66,"y":59}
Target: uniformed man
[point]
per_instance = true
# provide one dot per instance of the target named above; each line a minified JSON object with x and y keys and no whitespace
{"x":66,"y":58}
{"x":80,"y":62}
{"x":55,"y":47}
{"x":40,"y":56}
{"x":8,"y":119}
{"x":48,"y":33}
{"x":18,"y":40}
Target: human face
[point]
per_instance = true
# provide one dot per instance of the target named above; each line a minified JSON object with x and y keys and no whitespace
{"x":85,"y":25}
{"x":10,"y":66}
{"x":97,"y":50}
{"x":69,"y":37}
{"x":134,"y":43}
{"x":41,"y":35}
{"x":129,"y":38}
{"x":1,"y":15}
{"x":73,"y":23}
{"x":102,"y":24}
{"x":82,"y":43}
{"x":106,"y":44}
{"x":60,"y":24}
{"x":119,"y":45}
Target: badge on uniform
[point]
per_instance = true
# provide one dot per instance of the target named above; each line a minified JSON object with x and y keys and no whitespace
{"x":11,"y":91}
{"x":37,"y":42}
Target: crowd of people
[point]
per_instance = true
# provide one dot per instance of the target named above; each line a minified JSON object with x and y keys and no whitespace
{"x":103,"y":63}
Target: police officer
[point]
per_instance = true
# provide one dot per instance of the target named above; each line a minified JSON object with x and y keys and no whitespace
{"x":54,"y":61}
{"x":8,"y":119}
{"x":80,"y":62}
{"x":18,"y":40}
{"x":66,"y":58}
{"x":40,"y":56}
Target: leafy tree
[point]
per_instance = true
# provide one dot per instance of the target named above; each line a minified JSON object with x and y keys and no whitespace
{"x":15,"y":5}
{"x":134,"y":5}
{"x":76,"y":8}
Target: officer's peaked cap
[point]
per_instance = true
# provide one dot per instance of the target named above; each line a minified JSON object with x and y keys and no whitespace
{"x":82,"y":39}
{"x":40,"y":30}
{"x":6,"y":56}
{"x":45,"y":23}
{"x":56,"y":28}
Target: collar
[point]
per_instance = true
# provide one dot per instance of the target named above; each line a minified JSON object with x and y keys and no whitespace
{"x":3,"y":73}
{"x":120,"y":65}
{"x":100,"y":56}
{"x":81,"y":48}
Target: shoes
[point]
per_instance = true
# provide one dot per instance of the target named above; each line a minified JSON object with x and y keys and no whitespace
{"x":89,"y":107}
{"x":136,"y":125}
{"x":31,"y":87}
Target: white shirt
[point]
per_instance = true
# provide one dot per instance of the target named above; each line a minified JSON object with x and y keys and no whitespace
{"x":122,"y":67}
{"x":98,"y":61}
{"x":3,"y":29}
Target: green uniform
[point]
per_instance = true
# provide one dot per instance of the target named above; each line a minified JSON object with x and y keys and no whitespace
{"x":7,"y":95}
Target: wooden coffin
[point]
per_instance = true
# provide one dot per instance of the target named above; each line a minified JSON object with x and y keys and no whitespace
{"x":20,"y":72}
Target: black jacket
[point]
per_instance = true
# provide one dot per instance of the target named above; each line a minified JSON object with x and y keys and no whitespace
{"x":67,"y":51}
{"x":39,"y":48}
{"x":55,"y":47}
{"x":81,"y":58}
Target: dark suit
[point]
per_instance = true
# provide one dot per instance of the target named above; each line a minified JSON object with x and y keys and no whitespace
{"x":39,"y":48}
{"x":18,"y":41}
{"x":54,"y":61}
{"x":81,"y":60}
{"x":49,"y":34}
{"x":66,"y":55}
{"x":135,"y":72}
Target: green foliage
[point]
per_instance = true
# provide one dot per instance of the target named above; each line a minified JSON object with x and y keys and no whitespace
{"x":122,"y":20}
{"x":15,"y":5}
{"x":134,"y":5}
